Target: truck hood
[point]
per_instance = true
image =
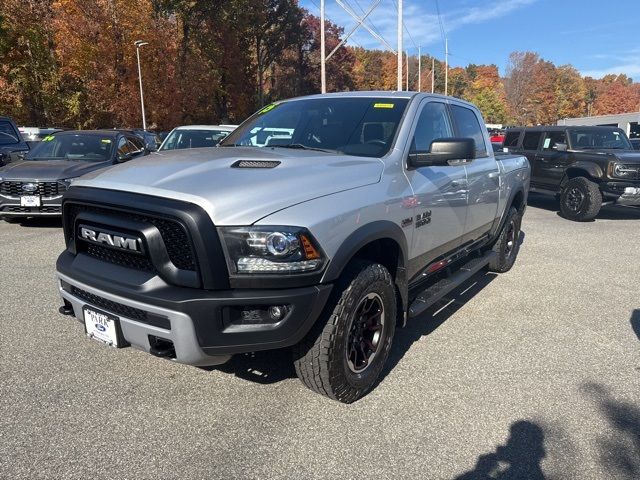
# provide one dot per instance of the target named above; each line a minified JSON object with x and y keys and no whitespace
{"x":239,"y":196}
{"x":45,"y":170}
{"x":626,"y":156}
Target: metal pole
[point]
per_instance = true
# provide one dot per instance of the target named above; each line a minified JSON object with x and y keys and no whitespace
{"x":446,"y":66}
{"x":407,"y":53}
{"x":399,"y":45}
{"x":138,"y":44}
{"x":419,"y":68}
{"x":323,"y":72}
{"x":433,"y":74}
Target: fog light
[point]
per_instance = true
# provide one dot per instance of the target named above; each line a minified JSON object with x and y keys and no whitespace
{"x":254,"y":315}
{"x":277,"y":312}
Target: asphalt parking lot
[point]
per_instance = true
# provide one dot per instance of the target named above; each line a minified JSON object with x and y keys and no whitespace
{"x":532,"y":374}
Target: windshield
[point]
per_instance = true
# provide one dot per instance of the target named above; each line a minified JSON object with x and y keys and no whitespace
{"x":7,"y":134}
{"x":588,"y":139}
{"x":90,"y":148}
{"x":179,"y":139}
{"x":350,"y":125}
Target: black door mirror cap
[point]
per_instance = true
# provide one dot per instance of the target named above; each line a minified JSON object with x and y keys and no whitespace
{"x":442,"y":151}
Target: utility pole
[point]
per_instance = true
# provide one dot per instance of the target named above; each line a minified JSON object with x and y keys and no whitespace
{"x":399,"y":45}
{"x":433,"y":74}
{"x":419,"y":68}
{"x":446,"y":66}
{"x":407,"y":54}
{"x":139,"y":44}
{"x":323,"y":71}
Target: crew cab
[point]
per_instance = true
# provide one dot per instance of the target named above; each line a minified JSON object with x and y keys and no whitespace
{"x":363,"y":211}
{"x":12,"y":145}
{"x":33,"y":187}
{"x":585,"y":167}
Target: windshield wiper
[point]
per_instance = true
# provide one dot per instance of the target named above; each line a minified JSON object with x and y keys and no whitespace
{"x":299,"y":146}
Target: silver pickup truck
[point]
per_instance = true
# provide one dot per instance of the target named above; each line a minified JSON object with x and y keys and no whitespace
{"x":321,"y":224}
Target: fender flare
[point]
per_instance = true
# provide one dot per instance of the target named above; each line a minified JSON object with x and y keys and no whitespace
{"x":378,"y":230}
{"x":591,"y":168}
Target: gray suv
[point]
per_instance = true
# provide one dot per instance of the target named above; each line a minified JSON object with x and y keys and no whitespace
{"x":321,"y":224}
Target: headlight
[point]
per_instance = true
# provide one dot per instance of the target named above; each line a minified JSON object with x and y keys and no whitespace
{"x":626,"y":171}
{"x":271,"y":250}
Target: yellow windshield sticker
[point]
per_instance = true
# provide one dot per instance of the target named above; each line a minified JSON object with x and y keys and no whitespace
{"x":48,"y":138}
{"x":105,"y":140}
{"x":268,"y":108}
{"x":383,"y":105}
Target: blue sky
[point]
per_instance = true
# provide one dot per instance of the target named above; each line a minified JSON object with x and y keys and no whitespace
{"x":595,"y":36}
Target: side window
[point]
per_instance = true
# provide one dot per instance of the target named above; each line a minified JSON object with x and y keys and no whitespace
{"x":469,"y":127}
{"x":137,"y":143}
{"x":433,"y":123}
{"x":124,"y":147}
{"x":531,"y":140}
{"x":553,"y":138}
{"x":7,"y":134}
{"x":511,"y":139}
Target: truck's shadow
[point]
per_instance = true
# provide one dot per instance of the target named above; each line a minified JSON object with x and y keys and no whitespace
{"x":610,"y":212}
{"x":45,"y":222}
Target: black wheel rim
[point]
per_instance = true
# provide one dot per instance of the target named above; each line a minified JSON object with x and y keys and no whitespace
{"x":509,"y":247}
{"x":575,"y":198}
{"x":366,"y":333}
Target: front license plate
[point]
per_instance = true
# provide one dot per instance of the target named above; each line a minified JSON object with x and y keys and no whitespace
{"x":30,"y":201}
{"x":101,"y":326}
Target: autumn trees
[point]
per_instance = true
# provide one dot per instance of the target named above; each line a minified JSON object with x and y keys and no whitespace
{"x":72,"y":63}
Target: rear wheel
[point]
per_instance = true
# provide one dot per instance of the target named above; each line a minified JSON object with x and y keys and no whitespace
{"x":580,"y":200}
{"x":346,"y":350}
{"x":507,"y":245}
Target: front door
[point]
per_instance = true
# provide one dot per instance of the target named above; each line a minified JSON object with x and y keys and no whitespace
{"x":440,"y":202}
{"x":551,"y":164}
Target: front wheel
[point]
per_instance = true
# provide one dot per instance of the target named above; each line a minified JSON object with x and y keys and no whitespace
{"x":346,"y":350}
{"x":580,"y":200}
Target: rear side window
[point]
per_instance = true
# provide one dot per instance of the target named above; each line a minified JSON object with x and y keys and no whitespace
{"x":531,"y":140}
{"x":511,"y":139}
{"x":469,"y":127}
{"x":7,"y":134}
{"x":551,"y":139}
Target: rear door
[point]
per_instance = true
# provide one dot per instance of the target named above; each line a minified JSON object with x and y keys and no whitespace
{"x":440,"y":192}
{"x":550,"y":163}
{"x":531,"y":142}
{"x":483,"y":174}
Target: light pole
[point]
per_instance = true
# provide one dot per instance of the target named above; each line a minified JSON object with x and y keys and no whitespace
{"x":139,"y":44}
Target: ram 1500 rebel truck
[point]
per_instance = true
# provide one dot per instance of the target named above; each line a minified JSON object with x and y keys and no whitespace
{"x":320,"y":224}
{"x":585,"y":167}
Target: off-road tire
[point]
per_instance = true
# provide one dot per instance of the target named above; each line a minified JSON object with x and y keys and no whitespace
{"x":591,"y":204}
{"x":320,"y":359}
{"x":507,"y":244}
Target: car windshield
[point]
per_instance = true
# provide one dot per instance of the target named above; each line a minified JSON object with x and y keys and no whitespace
{"x":359,"y":126}
{"x":589,"y":139}
{"x":90,"y":148}
{"x":188,"y":138}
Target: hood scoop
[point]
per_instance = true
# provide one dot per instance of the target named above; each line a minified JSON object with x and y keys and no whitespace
{"x":256,"y":164}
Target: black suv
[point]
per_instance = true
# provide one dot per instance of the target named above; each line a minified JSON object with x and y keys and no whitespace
{"x":12,"y":145}
{"x":586,"y":167}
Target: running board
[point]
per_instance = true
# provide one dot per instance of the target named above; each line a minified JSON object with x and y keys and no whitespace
{"x":441,"y":288}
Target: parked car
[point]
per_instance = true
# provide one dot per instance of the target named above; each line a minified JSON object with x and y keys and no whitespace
{"x":12,"y":145}
{"x":585,"y":167}
{"x":635,"y":143}
{"x":35,"y":134}
{"x":195,"y":136}
{"x":34,"y":187}
{"x":151,"y":140}
{"x":377,"y":206}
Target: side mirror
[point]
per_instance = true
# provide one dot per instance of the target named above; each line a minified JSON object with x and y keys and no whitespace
{"x":561,"y":147}
{"x":443,"y":150}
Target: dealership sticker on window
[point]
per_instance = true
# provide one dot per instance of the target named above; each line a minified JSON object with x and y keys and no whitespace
{"x":48,"y":138}
{"x":547,"y":142}
{"x":268,"y":108}
{"x":383,"y":105}
{"x":105,"y":140}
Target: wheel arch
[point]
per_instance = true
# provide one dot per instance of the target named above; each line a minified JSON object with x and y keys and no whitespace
{"x":589,"y":170}
{"x":382,"y":242}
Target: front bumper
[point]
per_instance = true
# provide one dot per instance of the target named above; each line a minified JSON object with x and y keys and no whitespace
{"x":49,"y":207}
{"x":622,"y":193}
{"x":194,"y":321}
{"x":631,"y":197}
